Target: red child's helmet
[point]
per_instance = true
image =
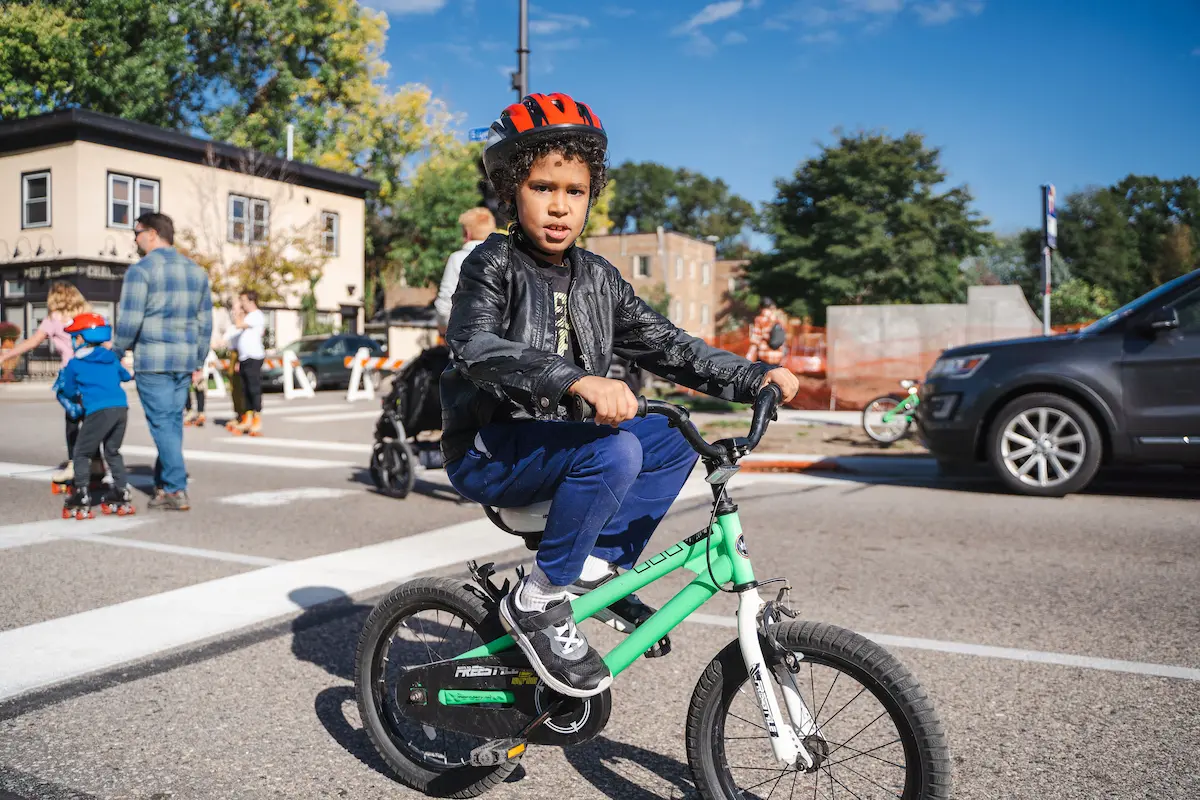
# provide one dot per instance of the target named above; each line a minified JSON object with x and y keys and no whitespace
{"x":537,"y":115}
{"x":92,"y":327}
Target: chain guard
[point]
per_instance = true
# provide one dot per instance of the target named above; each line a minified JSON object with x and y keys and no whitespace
{"x":418,"y":691}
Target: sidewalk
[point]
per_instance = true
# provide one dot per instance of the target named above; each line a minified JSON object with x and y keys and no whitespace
{"x":899,"y":466}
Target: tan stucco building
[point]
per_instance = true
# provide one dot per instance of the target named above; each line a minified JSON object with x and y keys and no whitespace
{"x":682,"y":266}
{"x":73,"y":182}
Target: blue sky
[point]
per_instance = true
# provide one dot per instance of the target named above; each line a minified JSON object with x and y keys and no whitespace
{"x":1014,"y":92}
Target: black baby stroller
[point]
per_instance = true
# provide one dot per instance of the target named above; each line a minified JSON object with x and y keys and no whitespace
{"x":412,"y":406}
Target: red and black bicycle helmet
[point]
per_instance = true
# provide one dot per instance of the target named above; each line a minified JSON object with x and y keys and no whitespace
{"x":537,"y":115}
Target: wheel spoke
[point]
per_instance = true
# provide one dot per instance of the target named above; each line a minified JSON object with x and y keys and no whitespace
{"x":855,"y":736}
{"x":868,"y":753}
{"x":1063,"y":421}
{"x":1075,"y":438}
{"x":1042,"y":421}
{"x":1060,"y":472}
{"x":1067,"y":455}
{"x":1042,"y":478}
{"x":817,"y":716}
{"x":839,"y":783}
{"x":1024,"y":420}
{"x":1013,"y":436}
{"x":1022,"y":453}
{"x":843,"y":708}
{"x":748,"y":722}
{"x":768,"y":780}
{"x":868,"y":780}
{"x":1027,"y":466}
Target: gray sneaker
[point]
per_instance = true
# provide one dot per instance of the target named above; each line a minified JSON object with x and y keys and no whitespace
{"x":169,"y":501}
{"x":556,"y":649}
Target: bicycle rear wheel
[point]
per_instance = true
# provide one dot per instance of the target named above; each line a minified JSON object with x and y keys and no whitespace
{"x":878,"y":734}
{"x":894,"y":429}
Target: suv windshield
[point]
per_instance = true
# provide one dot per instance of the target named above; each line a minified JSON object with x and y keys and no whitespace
{"x":1149,"y":298}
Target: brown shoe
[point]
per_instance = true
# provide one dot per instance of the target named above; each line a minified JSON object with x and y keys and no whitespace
{"x":169,"y":501}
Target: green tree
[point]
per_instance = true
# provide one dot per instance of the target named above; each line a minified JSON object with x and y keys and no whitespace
{"x":864,"y":223}
{"x":1002,"y":261}
{"x":1078,"y":301}
{"x":650,"y":194}
{"x":130,"y":58}
{"x":424,"y":228}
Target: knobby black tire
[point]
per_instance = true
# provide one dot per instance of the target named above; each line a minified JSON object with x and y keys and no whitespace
{"x":417,"y":595}
{"x":927,"y":756}
{"x":393,"y":468}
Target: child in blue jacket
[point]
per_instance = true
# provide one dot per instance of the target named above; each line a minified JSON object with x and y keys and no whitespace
{"x":90,"y":385}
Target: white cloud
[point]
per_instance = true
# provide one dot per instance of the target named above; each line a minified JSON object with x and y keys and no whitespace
{"x":735,"y":37}
{"x":700,"y":45}
{"x":551,"y":23}
{"x":713,"y":12}
{"x":944,"y":11}
{"x":407,"y":6}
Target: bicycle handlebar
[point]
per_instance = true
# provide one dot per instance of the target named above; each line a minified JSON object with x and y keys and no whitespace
{"x":765,"y":404}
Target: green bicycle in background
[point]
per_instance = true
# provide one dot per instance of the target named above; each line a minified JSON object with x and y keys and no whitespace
{"x":451,"y":704}
{"x":888,"y":418}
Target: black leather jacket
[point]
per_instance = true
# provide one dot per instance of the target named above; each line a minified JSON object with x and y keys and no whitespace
{"x":501,"y":337}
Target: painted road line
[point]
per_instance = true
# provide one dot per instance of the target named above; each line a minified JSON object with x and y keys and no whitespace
{"x":46,"y":653}
{"x":329,"y":417}
{"x":281,"y":497}
{"x":180,"y":550}
{"x":1010,"y":653}
{"x":26,"y":472}
{"x":300,"y":444}
{"x":27,"y":533}
{"x":243,"y":459}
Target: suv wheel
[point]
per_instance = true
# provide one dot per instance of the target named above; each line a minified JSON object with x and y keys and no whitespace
{"x":1045,"y":445}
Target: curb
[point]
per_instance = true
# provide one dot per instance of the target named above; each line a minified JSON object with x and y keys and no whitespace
{"x":851,"y":465}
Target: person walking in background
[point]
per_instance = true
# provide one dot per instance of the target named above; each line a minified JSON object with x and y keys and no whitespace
{"x":247,"y":339}
{"x":196,"y":417}
{"x":165,"y":318}
{"x":63,"y":303}
{"x":476,"y":225}
{"x":768,"y":334}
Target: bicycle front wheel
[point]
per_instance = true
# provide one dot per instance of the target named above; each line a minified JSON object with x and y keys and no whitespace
{"x":874,"y":424}
{"x":877,"y":732}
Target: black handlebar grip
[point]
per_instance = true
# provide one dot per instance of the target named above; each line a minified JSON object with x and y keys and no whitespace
{"x":641,"y":412}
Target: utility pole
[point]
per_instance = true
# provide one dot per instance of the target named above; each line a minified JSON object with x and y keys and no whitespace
{"x":1049,"y":243}
{"x":520,"y":78}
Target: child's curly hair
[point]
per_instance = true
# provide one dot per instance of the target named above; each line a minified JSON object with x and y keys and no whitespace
{"x":509,"y":175}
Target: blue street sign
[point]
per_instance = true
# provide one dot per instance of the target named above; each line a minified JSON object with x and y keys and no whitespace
{"x":477,"y":134}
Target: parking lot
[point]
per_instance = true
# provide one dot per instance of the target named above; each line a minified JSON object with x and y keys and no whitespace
{"x":209,"y":654}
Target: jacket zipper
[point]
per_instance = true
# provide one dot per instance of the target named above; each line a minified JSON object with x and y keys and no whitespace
{"x":571,"y":319}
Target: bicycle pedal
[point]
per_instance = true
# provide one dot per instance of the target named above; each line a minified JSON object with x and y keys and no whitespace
{"x":661,"y":648}
{"x":492,"y":753}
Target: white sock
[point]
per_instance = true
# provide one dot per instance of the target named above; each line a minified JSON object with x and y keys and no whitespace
{"x":536,"y":591}
{"x":595,"y":568}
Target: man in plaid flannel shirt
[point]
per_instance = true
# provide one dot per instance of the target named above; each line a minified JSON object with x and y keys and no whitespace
{"x":165,"y":317}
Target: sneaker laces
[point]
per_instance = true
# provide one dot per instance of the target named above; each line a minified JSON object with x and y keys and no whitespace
{"x":568,"y":638}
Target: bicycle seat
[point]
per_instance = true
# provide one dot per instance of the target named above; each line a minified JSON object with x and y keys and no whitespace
{"x":907,"y":384}
{"x":528,"y":522}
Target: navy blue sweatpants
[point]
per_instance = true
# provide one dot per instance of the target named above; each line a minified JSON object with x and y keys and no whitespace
{"x":611,"y":487}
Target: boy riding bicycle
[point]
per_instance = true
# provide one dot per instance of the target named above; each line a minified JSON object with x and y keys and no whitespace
{"x":534,"y":324}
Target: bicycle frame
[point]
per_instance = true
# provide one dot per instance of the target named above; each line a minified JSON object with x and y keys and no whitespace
{"x":907,"y":406}
{"x":729,"y":562}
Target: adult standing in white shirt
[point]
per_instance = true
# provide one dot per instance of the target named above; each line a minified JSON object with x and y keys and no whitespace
{"x":248,"y":341}
{"x":477,"y":224}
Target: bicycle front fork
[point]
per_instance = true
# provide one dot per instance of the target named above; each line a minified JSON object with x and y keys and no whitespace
{"x":785,"y":742}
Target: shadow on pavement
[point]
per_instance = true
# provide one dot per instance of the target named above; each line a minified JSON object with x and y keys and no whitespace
{"x":437,"y":491}
{"x":599,"y":760}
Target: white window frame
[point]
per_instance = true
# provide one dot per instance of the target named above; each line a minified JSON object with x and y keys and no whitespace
{"x":25,"y":200}
{"x":233,"y":219}
{"x":692,"y":310}
{"x":335,"y":234}
{"x":706,"y":273}
{"x":678,"y":311}
{"x":265,"y":205}
{"x":136,"y":209}
{"x":641,"y":266}
{"x":704,"y":313}
{"x":679,"y":268}
{"x":692,"y":270}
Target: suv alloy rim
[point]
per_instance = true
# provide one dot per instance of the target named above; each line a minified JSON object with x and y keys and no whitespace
{"x":1043,"y":447}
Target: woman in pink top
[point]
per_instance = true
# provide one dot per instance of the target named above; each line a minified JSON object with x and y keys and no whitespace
{"x":63,"y":303}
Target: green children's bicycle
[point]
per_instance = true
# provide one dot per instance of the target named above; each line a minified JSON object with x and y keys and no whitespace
{"x":888,"y":418}
{"x":787,"y":709}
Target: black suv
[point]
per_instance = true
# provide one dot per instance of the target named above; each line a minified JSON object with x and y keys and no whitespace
{"x":1046,"y":412}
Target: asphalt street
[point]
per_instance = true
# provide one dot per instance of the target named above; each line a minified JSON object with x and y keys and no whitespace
{"x":210,"y":653}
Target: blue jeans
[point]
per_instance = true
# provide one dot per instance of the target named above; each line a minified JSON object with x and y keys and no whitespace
{"x":163,"y":395}
{"x":611,"y":487}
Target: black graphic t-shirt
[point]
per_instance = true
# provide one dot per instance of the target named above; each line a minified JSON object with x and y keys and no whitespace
{"x":558,"y":282}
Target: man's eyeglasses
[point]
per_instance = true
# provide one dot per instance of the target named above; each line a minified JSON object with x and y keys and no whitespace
{"x":138,"y":232}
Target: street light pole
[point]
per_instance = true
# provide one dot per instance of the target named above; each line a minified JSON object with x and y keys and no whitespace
{"x":520,"y":78}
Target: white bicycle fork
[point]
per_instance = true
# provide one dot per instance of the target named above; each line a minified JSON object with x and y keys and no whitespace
{"x":784,"y":740}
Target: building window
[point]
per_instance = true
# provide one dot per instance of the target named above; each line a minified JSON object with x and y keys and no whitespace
{"x":692,"y":270}
{"x":35,"y":200}
{"x":13,"y":288}
{"x":641,"y":266}
{"x":692,"y":310}
{"x":678,"y":267}
{"x":678,"y":311}
{"x":249,"y":220}
{"x":732,"y":284}
{"x":129,"y":198}
{"x":704,"y":314}
{"x":706,"y":272}
{"x":329,"y":232}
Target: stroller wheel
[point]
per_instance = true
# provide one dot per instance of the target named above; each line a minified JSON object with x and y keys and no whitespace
{"x":393,"y":468}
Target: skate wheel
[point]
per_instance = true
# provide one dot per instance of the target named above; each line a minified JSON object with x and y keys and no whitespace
{"x":66,"y":514}
{"x":90,"y":515}
{"x":57,"y":488}
{"x":106,"y":509}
